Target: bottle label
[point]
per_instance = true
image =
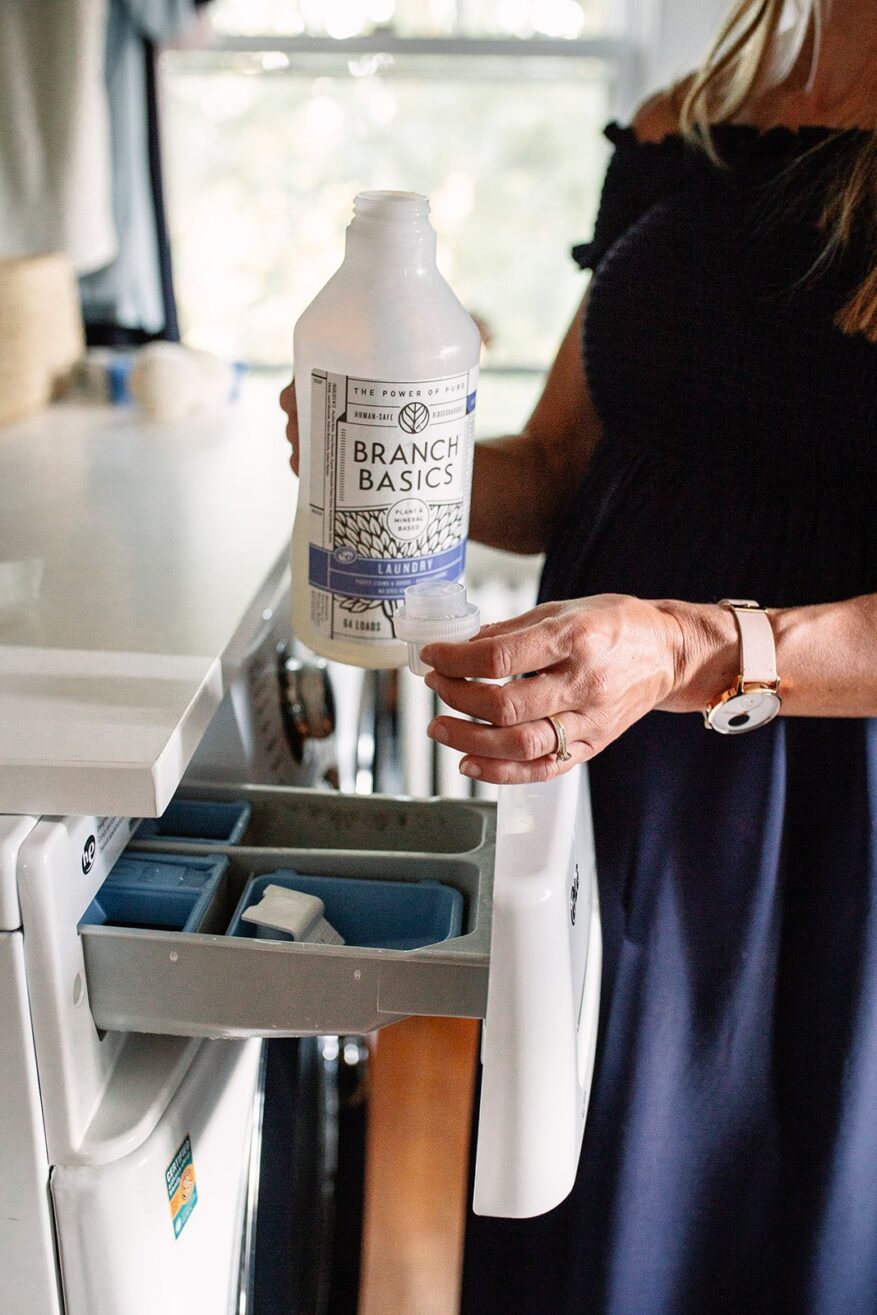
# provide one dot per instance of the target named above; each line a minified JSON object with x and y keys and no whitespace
{"x":390,"y":472}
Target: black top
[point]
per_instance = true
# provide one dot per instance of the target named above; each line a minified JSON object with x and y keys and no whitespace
{"x":729,"y":1162}
{"x":710,"y":349}
{"x":729,"y":328}
{"x":726,"y":330}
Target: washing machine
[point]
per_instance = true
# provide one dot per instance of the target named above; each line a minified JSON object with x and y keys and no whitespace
{"x":150,"y":1158}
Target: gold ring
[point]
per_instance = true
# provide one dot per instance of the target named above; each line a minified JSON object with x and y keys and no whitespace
{"x":562,"y":754}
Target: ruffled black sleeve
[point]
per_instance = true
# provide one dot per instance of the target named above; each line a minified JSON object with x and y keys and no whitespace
{"x":639,"y":175}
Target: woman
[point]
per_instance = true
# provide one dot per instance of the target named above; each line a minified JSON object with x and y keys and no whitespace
{"x":720,"y":440}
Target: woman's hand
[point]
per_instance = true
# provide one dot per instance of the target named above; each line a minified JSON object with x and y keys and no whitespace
{"x":598,"y":664}
{"x":287,"y":403}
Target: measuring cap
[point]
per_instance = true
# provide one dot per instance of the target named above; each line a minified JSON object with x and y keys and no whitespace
{"x":435,"y":611}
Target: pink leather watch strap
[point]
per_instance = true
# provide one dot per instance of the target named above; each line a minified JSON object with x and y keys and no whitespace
{"x":758,"y":654}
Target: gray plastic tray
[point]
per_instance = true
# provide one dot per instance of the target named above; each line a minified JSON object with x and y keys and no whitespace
{"x":323,"y":819}
{"x":209,"y":984}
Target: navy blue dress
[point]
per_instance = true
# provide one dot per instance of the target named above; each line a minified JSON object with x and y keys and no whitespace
{"x":730,"y":1156}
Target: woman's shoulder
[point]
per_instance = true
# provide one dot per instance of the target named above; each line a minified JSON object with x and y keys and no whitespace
{"x":658,"y":116}
{"x":653,"y":140}
{"x":650,"y":161}
{"x":659,"y":121}
{"x":653,"y":136}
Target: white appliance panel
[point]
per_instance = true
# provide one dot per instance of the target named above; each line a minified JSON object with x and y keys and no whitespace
{"x":543,"y":998}
{"x":120,"y":1253}
{"x":28,"y":1283}
{"x":86,"y":1077}
{"x":13,"y":831}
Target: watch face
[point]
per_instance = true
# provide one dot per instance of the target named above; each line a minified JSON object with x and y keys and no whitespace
{"x":744,"y":712}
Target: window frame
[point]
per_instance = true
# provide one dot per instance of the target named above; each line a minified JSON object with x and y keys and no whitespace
{"x":621,"y":52}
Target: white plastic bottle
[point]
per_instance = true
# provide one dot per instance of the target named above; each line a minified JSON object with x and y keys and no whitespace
{"x":386,"y":369}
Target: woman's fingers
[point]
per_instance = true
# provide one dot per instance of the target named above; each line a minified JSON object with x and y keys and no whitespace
{"x":515,"y":754}
{"x":600,"y":663}
{"x":511,"y":650}
{"x":499,"y":772}
{"x":524,"y":743}
{"x":287,"y":403}
{"x":501,"y":705}
{"x":287,"y":398}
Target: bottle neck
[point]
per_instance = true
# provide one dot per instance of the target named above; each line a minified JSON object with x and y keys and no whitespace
{"x":392,"y":226}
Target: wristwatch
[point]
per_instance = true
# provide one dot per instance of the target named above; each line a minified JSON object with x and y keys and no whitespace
{"x":755,"y":699}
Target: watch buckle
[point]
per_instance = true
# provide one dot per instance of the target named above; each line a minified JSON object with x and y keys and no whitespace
{"x":760,"y":686}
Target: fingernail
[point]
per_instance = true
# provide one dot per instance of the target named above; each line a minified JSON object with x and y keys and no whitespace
{"x":426,"y":655}
{"x":437,"y":732}
{"x":469,"y":768}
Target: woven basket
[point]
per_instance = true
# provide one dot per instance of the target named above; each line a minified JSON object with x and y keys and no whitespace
{"x":41,"y":333}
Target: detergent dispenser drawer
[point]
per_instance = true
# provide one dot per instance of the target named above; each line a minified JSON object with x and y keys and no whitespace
{"x":283,"y":818}
{"x":402,"y":890}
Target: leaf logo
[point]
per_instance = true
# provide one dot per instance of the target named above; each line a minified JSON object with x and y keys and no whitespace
{"x":414,"y":417}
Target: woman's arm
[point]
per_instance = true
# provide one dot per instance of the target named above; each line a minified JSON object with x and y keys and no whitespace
{"x":601,"y":663}
{"x":521,"y":484}
{"x":826,"y":657}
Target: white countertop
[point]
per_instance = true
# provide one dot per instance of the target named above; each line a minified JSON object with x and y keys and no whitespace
{"x":130,"y":555}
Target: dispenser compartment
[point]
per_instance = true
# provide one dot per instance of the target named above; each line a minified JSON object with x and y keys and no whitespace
{"x":286,"y":818}
{"x":199,"y":821}
{"x":160,"y":892}
{"x":372,"y":914}
{"x":208,"y":983}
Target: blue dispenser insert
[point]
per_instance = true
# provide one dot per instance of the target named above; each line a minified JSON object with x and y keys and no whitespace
{"x":380,"y":915}
{"x":202,"y":821}
{"x":162,"y":892}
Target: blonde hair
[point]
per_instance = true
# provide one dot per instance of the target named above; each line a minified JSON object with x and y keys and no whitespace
{"x":746,"y":57}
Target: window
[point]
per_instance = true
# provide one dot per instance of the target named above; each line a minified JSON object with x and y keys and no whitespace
{"x":493,"y":108}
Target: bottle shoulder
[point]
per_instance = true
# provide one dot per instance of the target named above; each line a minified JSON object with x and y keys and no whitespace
{"x":361,"y":319}
{"x":364,"y":289}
